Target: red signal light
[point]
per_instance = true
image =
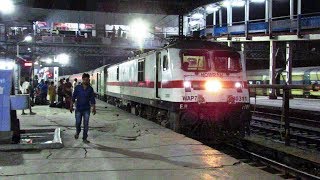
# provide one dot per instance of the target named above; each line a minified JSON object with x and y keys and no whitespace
{"x":28,"y":64}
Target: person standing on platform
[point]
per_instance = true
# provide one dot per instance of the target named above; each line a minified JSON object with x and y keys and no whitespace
{"x":84,"y":97}
{"x":67,"y":93}
{"x":26,"y":89}
{"x":52,"y":93}
{"x":60,"y":93}
{"x":44,"y":93}
{"x":119,"y":32}
{"x":74,"y":84}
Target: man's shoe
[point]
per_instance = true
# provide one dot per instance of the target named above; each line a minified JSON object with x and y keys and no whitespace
{"x":86,"y":141}
{"x":33,"y":113}
{"x":76,"y":136}
{"x":23,"y":113}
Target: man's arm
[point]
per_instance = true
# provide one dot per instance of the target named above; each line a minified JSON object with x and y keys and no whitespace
{"x":73,"y":99}
{"x":93,"y":102}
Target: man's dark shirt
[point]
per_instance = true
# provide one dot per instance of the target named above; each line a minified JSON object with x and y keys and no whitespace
{"x":84,"y":97}
{"x":44,"y":89}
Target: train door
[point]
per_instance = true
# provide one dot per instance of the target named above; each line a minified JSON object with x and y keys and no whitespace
{"x":98,"y":82}
{"x":158,"y":74}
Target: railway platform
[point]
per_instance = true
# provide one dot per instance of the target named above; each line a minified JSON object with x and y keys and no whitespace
{"x":123,"y":146}
{"x":295,"y":103}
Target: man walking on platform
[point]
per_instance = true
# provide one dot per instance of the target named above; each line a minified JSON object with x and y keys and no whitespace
{"x":84,"y":97}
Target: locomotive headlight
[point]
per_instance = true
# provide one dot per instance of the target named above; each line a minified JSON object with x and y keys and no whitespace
{"x":237,"y":85}
{"x":187,"y":84}
{"x":213,"y":86}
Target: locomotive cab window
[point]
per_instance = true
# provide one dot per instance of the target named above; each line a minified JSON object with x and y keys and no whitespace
{"x":194,"y":60}
{"x":141,"y":70}
{"x":165,"y":63}
{"x":225,"y":61}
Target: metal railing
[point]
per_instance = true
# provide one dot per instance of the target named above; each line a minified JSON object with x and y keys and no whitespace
{"x":285,"y":101}
{"x":276,"y":24}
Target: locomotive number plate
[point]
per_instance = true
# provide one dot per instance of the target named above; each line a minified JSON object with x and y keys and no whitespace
{"x":241,"y":98}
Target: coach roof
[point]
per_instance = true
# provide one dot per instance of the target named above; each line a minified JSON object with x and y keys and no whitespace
{"x":198,"y":44}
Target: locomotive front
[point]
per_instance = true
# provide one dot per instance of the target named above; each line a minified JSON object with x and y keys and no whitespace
{"x":215,"y":96}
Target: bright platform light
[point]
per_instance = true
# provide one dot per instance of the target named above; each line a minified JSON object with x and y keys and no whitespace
{"x":139,"y":30}
{"x":6,"y":7}
{"x":48,"y":60}
{"x":63,"y":58}
{"x":28,"y":39}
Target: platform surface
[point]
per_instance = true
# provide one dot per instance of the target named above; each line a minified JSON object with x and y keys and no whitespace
{"x":295,"y":103}
{"x":123,"y":146}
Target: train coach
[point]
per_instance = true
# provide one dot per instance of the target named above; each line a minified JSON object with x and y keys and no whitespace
{"x":300,"y":76}
{"x":188,"y":86}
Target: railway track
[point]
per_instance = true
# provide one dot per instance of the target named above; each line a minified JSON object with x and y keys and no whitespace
{"x":303,"y":131}
{"x":273,"y":161}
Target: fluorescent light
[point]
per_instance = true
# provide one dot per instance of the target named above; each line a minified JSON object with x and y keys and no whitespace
{"x":226,"y":3}
{"x":258,"y":1}
{"x":238,"y":3}
{"x":28,"y":38}
{"x":212,"y":8}
{"x":233,"y":3}
{"x":63,"y":58}
{"x":7,"y":6}
{"x":48,"y":60}
{"x":197,"y":16}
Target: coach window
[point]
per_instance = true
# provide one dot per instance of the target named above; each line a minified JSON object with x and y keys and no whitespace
{"x":141,"y":70}
{"x":117,"y":73}
{"x":165,"y":63}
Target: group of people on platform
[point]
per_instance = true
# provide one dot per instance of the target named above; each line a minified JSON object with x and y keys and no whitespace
{"x":80,"y":93}
{"x":39,"y":91}
{"x":65,"y":91}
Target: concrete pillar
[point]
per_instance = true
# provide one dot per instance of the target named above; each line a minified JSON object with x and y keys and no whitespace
{"x":291,"y":9}
{"x":214,"y":22}
{"x":186,"y":29}
{"x":56,"y":75}
{"x":230,"y":43}
{"x":100,"y":30}
{"x":299,"y":7}
{"x":244,"y":62}
{"x":289,"y":55}
{"x":220,"y":17}
{"x":268,"y":10}
{"x":272,"y":68}
{"x":214,"y":18}
{"x":242,"y":47}
{"x":229,"y":15}
{"x":246,"y":11}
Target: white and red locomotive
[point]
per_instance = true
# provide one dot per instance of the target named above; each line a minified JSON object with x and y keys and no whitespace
{"x":187,"y":86}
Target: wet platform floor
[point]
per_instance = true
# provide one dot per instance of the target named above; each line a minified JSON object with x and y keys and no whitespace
{"x":123,"y":146}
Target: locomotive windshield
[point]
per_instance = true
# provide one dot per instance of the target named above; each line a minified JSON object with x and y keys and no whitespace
{"x":226,"y":61}
{"x":194,"y":60}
